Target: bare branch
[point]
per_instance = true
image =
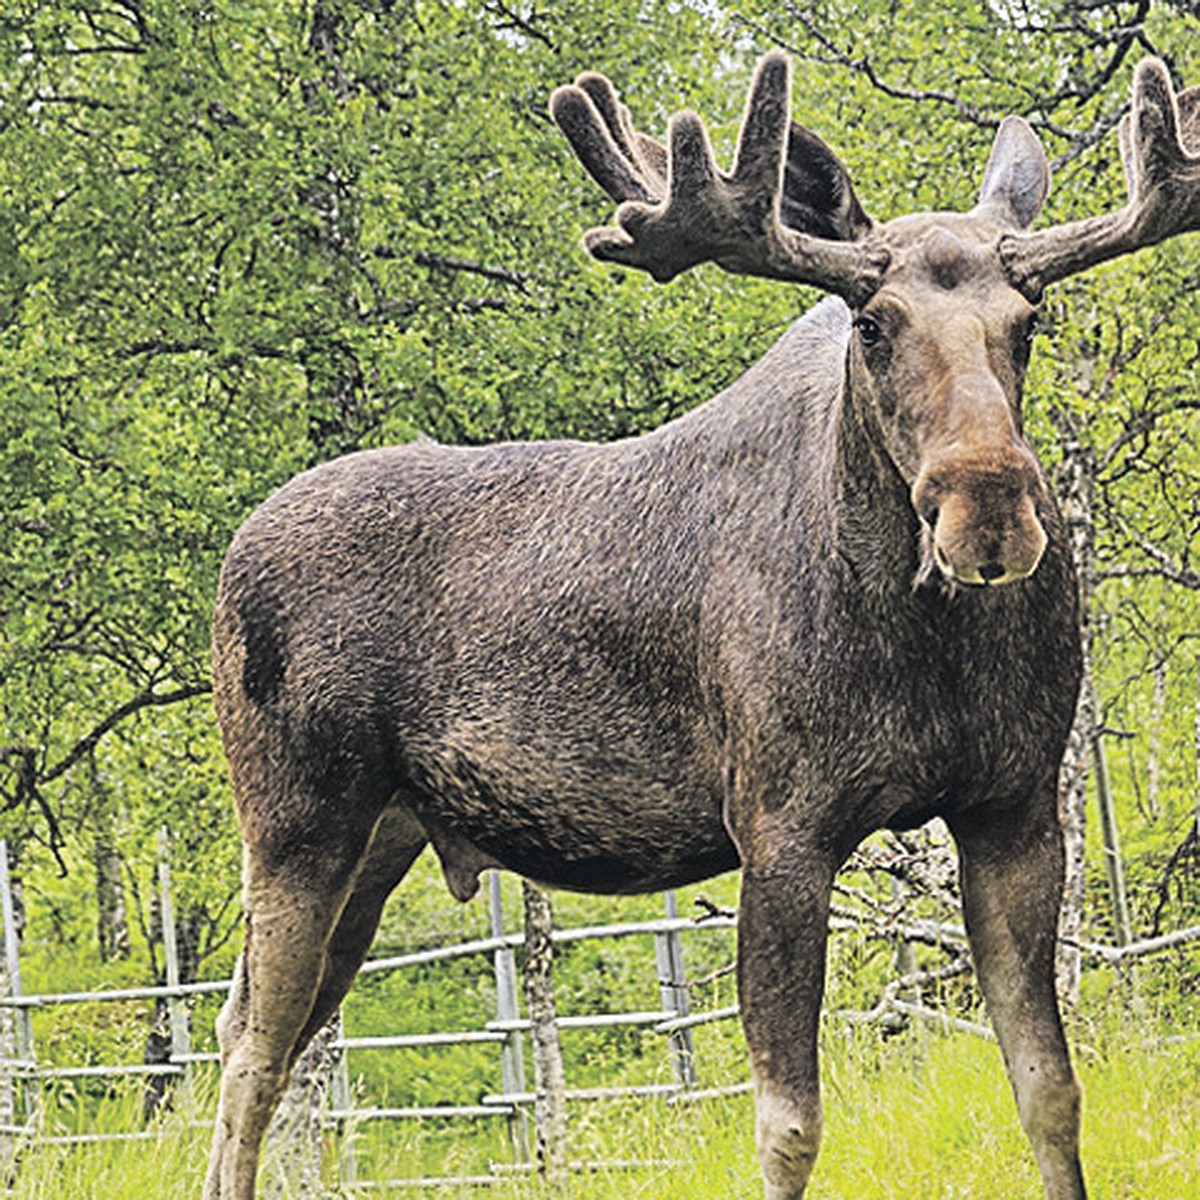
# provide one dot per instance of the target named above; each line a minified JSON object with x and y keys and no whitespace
{"x":835,"y":55}
{"x":512,"y":20}
{"x":1163,"y":565}
{"x":1115,"y":955}
{"x":1140,"y":424}
{"x":444,"y":263}
{"x":146,"y":699}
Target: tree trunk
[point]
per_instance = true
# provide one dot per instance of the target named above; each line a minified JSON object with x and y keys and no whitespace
{"x":1197,"y":712}
{"x":8,"y":1091}
{"x":549,"y":1079}
{"x":1158,"y":711}
{"x":9,"y":1046}
{"x":1076,"y":487}
{"x":292,"y":1156}
{"x":112,"y":917}
{"x":112,"y":914}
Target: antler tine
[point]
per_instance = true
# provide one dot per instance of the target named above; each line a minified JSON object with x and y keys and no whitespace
{"x":625,"y":163}
{"x":666,"y":223}
{"x":1160,"y":153}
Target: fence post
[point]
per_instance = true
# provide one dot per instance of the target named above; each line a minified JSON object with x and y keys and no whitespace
{"x":512,"y":1061}
{"x":21,"y":1016}
{"x":177,"y":1013}
{"x":672,"y":985}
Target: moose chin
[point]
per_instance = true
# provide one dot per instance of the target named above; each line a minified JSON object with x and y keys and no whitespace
{"x":838,"y":597}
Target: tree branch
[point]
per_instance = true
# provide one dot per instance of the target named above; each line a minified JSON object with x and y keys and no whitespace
{"x":146,"y":699}
{"x":442,"y":263}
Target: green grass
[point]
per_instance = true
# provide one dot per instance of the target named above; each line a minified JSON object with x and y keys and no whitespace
{"x":922,"y":1115}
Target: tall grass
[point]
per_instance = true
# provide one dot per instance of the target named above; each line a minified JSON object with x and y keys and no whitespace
{"x":920,"y":1116}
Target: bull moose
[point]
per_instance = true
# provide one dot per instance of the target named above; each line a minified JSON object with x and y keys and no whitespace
{"x":836,"y":598}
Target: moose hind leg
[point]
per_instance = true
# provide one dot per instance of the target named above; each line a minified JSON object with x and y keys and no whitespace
{"x":395,"y":844}
{"x":292,"y":910}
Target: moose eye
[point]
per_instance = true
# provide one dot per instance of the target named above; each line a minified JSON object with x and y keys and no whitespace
{"x":869,"y":332}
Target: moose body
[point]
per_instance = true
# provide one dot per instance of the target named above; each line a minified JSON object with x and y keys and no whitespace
{"x":749,"y":638}
{"x":575,"y":699}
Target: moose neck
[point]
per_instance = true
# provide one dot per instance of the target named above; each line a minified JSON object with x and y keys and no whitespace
{"x":874,"y":527}
{"x":790,"y":429}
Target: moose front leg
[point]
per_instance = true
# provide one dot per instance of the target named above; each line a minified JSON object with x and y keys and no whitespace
{"x":1012,"y":881}
{"x":782,"y":929}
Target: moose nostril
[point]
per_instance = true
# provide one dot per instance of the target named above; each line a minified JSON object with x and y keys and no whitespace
{"x":991,"y":570}
{"x":929,"y":514}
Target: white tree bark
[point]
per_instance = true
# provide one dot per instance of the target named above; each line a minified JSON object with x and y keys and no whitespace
{"x":292,"y":1161}
{"x":112,"y":915}
{"x":8,"y":1091}
{"x":14,"y":1044}
{"x":1197,"y":712}
{"x":1076,"y":493}
{"x":549,"y":1079}
{"x":1158,"y":712}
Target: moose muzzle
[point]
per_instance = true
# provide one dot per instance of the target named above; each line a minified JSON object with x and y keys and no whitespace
{"x":979,"y":516}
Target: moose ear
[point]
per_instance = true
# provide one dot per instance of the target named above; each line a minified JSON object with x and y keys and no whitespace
{"x":818,"y":196}
{"x":1017,"y":177}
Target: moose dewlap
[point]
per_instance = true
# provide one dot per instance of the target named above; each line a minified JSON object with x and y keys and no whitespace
{"x":837,"y":597}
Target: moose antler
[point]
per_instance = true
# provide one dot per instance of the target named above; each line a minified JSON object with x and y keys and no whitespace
{"x":1160,"y":151}
{"x":676,"y":209}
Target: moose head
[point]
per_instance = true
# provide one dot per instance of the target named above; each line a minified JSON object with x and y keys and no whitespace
{"x":943,"y":303}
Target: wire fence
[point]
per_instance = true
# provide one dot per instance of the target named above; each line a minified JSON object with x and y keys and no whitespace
{"x":23,"y":1078}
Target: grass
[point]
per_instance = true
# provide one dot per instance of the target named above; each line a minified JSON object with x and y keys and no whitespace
{"x":923,"y":1115}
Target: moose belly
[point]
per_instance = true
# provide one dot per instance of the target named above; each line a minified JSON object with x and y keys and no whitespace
{"x":622,"y":873}
{"x":620,"y":834}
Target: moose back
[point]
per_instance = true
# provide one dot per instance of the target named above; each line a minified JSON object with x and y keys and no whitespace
{"x":836,"y":598}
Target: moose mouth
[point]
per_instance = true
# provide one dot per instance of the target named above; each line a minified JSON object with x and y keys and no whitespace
{"x":965,"y":556}
{"x":979,"y":517}
{"x":989,"y":574}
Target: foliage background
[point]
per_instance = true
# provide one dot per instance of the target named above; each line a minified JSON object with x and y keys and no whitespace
{"x":237,"y":239}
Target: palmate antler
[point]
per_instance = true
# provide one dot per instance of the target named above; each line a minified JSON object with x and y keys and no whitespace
{"x":676,"y":209}
{"x":1160,"y":151}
